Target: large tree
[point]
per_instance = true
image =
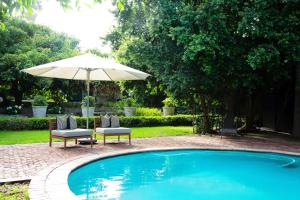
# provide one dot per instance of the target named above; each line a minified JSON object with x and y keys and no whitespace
{"x":25,"y":45}
{"x":227,"y":50}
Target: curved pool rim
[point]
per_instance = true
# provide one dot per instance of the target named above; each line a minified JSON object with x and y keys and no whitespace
{"x":182,"y":149}
{"x":52,"y":183}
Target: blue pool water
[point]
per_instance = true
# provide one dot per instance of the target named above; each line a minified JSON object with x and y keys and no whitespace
{"x":190,"y":174}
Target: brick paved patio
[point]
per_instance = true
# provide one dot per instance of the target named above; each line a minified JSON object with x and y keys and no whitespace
{"x":23,"y":161}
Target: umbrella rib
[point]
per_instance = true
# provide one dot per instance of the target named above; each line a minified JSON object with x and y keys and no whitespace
{"x":76,"y":73}
{"x":107,"y":74}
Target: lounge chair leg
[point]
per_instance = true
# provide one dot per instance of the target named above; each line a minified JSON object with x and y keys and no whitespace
{"x":129,"y":138}
{"x":118,"y":138}
{"x":91,"y":141}
{"x":65,"y":143}
{"x":50,"y":141}
{"x":104,"y":139}
{"x":76,"y":141}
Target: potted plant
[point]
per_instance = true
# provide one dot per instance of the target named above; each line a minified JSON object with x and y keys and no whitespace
{"x":84,"y":105}
{"x":39,"y":106}
{"x":130,"y":107}
{"x":169,"y":106}
{"x":55,"y":110}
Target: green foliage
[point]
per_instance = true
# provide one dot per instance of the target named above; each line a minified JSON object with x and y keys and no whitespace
{"x":55,"y":110}
{"x":219,"y":50}
{"x":89,"y":99}
{"x":136,"y":121}
{"x":129,"y":102}
{"x":120,"y":5}
{"x":23,"y":123}
{"x":13,"y":191}
{"x":124,"y":102}
{"x":141,"y":111}
{"x":26,"y":45}
{"x":39,"y":100}
{"x":215,"y":123}
{"x":139,"y":121}
{"x":147,"y":93}
{"x":7,"y":7}
{"x":25,"y":8}
{"x":170,"y":102}
{"x":13,"y":110}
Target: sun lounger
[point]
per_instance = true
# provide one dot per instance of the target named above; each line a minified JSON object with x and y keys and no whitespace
{"x":68,"y":134}
{"x":109,"y":131}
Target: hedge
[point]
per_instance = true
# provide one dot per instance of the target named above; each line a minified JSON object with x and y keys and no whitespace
{"x":136,"y":121}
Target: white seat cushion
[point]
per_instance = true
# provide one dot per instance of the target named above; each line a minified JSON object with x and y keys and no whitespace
{"x":72,"y":132}
{"x":119,"y":130}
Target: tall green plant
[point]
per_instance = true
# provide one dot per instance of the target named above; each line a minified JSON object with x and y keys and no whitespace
{"x":89,"y":99}
{"x":130,"y":102}
{"x":170,"y":102}
{"x":39,"y":100}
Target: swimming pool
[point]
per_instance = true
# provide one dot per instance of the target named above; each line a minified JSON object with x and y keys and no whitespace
{"x":189,"y":174}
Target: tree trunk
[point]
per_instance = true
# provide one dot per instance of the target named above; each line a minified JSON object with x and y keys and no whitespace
{"x":18,"y":95}
{"x":18,"y":98}
{"x":4,"y":98}
{"x":230,"y":110}
{"x":250,"y":115}
{"x":296,"y":121}
{"x":207,"y":127}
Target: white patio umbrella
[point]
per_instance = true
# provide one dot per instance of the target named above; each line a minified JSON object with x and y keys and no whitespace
{"x":87,"y":67}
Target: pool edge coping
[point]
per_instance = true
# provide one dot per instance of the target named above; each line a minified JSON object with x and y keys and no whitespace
{"x":52,"y":182}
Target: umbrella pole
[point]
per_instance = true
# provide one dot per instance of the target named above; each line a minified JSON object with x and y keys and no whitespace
{"x":88,"y":72}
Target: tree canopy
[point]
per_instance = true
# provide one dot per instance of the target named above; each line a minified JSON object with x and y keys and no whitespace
{"x":214,"y":49}
{"x":25,"y":45}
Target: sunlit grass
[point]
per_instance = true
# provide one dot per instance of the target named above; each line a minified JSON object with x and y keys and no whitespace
{"x":15,"y":191}
{"x":38,"y":136}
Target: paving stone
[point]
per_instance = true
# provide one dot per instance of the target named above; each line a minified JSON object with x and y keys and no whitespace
{"x":23,"y":161}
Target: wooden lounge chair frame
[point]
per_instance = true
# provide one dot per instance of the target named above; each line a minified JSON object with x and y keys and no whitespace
{"x":52,"y":126}
{"x":97,"y":124}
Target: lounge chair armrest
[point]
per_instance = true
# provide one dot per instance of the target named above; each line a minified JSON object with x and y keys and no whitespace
{"x":52,"y":124}
{"x":97,"y":122}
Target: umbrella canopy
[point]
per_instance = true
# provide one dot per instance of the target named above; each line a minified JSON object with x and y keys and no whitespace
{"x":77,"y":68}
{"x":87,"y":67}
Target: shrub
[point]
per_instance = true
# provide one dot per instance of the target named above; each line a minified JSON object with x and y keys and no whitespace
{"x":23,"y":123}
{"x":136,"y":121}
{"x":91,"y":100}
{"x":128,"y":102}
{"x":148,"y":112}
{"x":13,"y":110}
{"x":144,"y":121}
{"x":39,"y":100}
{"x":55,"y":110}
{"x":169,"y":102}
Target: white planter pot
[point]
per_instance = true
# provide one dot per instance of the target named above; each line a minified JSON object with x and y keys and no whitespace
{"x":129,"y":111}
{"x":39,"y":111}
{"x":91,"y":111}
{"x":168,"y":111}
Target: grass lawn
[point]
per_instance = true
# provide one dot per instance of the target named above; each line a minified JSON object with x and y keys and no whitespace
{"x":16,"y":191}
{"x":37,"y":136}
